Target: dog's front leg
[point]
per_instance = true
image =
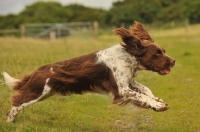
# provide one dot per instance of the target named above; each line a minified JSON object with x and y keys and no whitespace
{"x":143,"y":89}
{"x":142,"y":100}
{"x":123,"y":78}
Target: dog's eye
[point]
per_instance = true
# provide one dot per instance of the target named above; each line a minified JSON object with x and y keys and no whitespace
{"x":164,"y":51}
{"x":159,"y":52}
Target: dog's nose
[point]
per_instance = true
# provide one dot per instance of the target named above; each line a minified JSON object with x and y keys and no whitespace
{"x":172,"y":62}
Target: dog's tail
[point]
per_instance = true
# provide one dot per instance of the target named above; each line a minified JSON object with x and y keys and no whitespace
{"x":10,"y":81}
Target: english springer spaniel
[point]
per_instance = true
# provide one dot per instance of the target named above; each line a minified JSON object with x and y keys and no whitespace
{"x":111,"y":70}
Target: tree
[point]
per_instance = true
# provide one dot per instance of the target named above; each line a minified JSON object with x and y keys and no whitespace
{"x":9,"y":21}
{"x":45,"y":12}
{"x":191,"y":11}
{"x":128,"y":11}
{"x":122,"y":12}
{"x":82,"y":13}
{"x":52,"y":12}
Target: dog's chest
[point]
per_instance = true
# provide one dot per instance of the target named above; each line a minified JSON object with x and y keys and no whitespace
{"x":121,"y":63}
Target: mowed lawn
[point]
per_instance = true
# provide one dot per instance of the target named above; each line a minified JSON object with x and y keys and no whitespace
{"x":96,"y":113}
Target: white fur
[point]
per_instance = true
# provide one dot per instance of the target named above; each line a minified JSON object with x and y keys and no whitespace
{"x":14,"y":111}
{"x":51,"y":69}
{"x":10,"y":81}
{"x":124,"y":68}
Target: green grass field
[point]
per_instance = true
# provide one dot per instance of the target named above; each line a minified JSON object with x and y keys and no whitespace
{"x":96,"y":113}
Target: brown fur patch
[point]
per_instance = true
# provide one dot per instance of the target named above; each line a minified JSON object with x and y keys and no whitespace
{"x":138,"y":30}
{"x":74,"y":76}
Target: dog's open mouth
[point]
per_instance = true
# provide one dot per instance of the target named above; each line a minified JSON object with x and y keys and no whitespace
{"x":164,"y":72}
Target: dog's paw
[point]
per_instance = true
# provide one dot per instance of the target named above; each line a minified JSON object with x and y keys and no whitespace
{"x":158,"y":99}
{"x":159,"y":107}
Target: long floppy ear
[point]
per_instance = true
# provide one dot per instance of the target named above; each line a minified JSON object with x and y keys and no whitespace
{"x":132,"y":43}
{"x":139,"y":31}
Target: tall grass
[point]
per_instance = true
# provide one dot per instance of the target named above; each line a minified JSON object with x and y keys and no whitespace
{"x":95,"y":113}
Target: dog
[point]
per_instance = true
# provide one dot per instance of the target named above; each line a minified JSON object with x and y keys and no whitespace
{"x":111,"y":70}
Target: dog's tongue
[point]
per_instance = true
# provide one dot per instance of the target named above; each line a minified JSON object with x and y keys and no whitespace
{"x":166,"y":71}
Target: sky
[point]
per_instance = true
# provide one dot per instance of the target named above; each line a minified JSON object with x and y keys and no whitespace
{"x":16,"y":6}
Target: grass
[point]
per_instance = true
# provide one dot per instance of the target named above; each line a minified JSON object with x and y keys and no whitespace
{"x":95,"y":113}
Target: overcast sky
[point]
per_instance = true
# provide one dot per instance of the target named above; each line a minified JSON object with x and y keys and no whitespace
{"x":16,"y":6}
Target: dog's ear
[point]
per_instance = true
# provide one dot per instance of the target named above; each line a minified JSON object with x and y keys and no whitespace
{"x":138,"y":30}
{"x":127,"y":37}
{"x":132,"y":43}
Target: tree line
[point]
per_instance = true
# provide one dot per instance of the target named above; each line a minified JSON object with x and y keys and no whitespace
{"x":121,"y":12}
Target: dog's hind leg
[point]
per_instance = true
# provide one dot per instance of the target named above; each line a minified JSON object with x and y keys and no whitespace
{"x":15,"y":109}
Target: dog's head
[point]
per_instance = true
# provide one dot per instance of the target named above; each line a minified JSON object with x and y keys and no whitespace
{"x":138,"y":43}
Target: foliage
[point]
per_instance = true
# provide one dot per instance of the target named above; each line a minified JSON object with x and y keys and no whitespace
{"x":122,"y":12}
{"x":191,"y":11}
{"x":8,"y":21}
{"x":42,"y":12}
{"x":81,"y":13}
{"x":52,"y":12}
{"x":128,"y":11}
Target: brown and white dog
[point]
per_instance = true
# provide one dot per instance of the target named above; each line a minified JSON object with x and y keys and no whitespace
{"x":111,"y":70}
